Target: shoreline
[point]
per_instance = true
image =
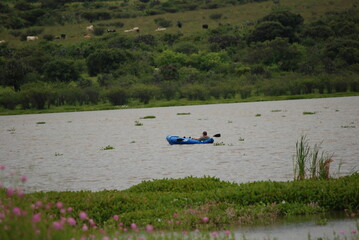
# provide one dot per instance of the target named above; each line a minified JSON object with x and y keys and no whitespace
{"x":171,"y":103}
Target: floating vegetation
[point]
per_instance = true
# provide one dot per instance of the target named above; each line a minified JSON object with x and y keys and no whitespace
{"x":183,"y":113}
{"x":69,"y":121}
{"x":258,"y":115}
{"x":133,"y":142}
{"x":108,"y":147}
{"x":322,"y":222}
{"x":219,"y":144}
{"x":40,"y":122}
{"x":241,"y":139}
{"x":276,"y":110}
{"x":309,"y":113}
{"x":148,"y":117}
{"x":348,"y":126}
{"x":138,"y":123}
{"x":58,"y":154}
{"x":11,"y":130}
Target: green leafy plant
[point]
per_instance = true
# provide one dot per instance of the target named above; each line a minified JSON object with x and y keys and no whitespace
{"x":41,"y":123}
{"x":108,"y":147}
{"x":148,"y":117}
{"x":184,"y":113}
{"x":138,"y":123}
{"x":258,"y":115}
{"x":309,"y":113}
{"x":58,"y":154}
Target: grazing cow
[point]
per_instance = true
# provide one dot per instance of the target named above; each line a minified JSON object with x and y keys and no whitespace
{"x":2,"y":41}
{"x":31,"y":38}
{"x":89,"y":28}
{"x":205,"y":26}
{"x":160,"y":29}
{"x":111,"y":30}
{"x":135,"y":29}
{"x":179,"y":24}
{"x":63,"y":36}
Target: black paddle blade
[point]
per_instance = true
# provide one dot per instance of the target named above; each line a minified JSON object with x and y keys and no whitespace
{"x":217,"y":135}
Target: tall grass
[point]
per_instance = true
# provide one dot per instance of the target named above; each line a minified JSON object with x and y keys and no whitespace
{"x":311,"y":162}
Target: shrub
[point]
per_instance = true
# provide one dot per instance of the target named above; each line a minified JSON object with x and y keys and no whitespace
{"x":117,"y":96}
{"x":161,"y":22}
{"x":9,"y":99}
{"x":215,"y":16}
{"x":48,"y":37}
{"x":195,"y":92}
{"x":144,"y":92}
{"x":98,"y":31}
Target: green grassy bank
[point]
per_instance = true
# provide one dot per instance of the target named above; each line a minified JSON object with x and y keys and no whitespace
{"x":169,"y":103}
{"x":189,"y":204}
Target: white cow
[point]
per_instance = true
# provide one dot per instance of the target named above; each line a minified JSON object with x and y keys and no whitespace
{"x":89,"y":28}
{"x":160,"y":29}
{"x":135,"y":29}
{"x":31,"y":38}
{"x":2,"y":41}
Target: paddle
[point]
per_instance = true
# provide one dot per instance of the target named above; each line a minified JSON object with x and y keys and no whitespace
{"x":216,"y":135}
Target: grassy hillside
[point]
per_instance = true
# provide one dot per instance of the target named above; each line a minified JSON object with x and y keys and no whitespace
{"x":240,"y":15}
{"x":250,"y":49}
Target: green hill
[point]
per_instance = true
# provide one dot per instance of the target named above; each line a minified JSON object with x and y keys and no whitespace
{"x":213,"y":50}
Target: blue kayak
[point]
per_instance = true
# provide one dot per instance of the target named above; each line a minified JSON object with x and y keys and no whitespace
{"x":186,"y":140}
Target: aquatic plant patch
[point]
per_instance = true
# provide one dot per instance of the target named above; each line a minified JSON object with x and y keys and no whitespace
{"x":258,"y":115}
{"x":184,"y":113}
{"x":138,"y":123}
{"x":108,"y":147}
{"x":309,"y":113}
{"x":148,"y":117}
{"x":41,"y":123}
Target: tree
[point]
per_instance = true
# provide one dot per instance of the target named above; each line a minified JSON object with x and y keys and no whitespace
{"x":144,"y":92}
{"x":105,"y":60}
{"x":285,"y":18}
{"x":13,"y":73}
{"x":267,"y":31}
{"x":117,"y":96}
{"x":61,"y":70}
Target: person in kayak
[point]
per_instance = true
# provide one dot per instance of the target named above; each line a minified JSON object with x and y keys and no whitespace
{"x":204,"y":137}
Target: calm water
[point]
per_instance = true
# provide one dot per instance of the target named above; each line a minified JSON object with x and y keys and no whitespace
{"x":65,"y":152}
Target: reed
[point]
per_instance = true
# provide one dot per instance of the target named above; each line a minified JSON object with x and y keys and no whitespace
{"x":311,"y":162}
{"x":301,"y":158}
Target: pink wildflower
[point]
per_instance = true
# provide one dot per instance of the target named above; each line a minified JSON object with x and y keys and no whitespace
{"x":57,"y":225}
{"x":342,"y":232}
{"x":17,"y":211}
{"x":10,"y":191}
{"x":59,"y":205}
{"x":121,"y":224}
{"x":149,"y":228}
{"x":175,"y":215}
{"x":196,"y":230}
{"x":2,"y":167}
{"x":69,"y":209}
{"x":71,"y":221}
{"x":214,"y":234}
{"x":115,"y":217}
{"x":23,"y":179}
{"x":62,"y":210}
{"x":20,"y":194}
{"x":227,"y":233}
{"x":36,"y":217}
{"x":133,"y":226}
{"x":184,"y":233}
{"x":38,"y":204}
{"x":92,"y":222}
{"x":105,"y":238}
{"x":205,"y":219}
{"x":125,"y":229}
{"x":85,"y":228}
{"x":354,"y":232}
{"x":83,"y":215}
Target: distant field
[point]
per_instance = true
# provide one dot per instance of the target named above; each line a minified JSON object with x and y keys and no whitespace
{"x":193,"y":20}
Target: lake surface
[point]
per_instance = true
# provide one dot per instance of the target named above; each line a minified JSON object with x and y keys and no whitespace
{"x":65,"y":152}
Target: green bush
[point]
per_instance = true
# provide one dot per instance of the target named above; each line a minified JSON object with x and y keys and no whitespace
{"x":117,"y":96}
{"x":144,"y":92}
{"x":162,"y":22}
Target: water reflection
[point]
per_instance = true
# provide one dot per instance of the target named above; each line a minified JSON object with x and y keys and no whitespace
{"x":64,"y":153}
